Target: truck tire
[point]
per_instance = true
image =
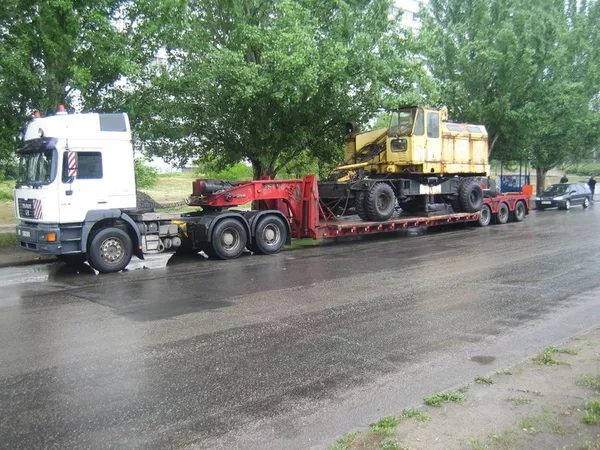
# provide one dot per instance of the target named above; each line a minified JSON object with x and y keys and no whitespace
{"x":470,"y":196}
{"x":228,"y":240}
{"x":519,"y":212}
{"x":503,"y":213}
{"x":110,"y":250}
{"x":76,"y":259}
{"x":485,"y":216}
{"x":270,"y":237}
{"x":359,"y":205}
{"x":380,"y":202}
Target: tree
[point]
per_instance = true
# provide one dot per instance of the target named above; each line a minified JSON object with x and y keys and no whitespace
{"x":269,"y":81}
{"x":527,"y":69}
{"x":67,"y":52}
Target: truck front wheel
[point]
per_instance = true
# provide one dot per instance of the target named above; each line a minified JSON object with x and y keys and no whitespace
{"x":228,"y":240}
{"x":380,"y":202}
{"x":110,"y":250}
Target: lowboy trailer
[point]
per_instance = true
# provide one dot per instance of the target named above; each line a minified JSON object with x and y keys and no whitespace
{"x":76,"y":199}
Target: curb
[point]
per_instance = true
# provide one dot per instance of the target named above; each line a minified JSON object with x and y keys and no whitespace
{"x":31,"y":262}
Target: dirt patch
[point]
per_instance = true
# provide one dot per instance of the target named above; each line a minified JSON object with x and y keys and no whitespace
{"x":532,"y":405}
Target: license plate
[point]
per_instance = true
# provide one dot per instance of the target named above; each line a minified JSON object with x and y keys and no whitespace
{"x":546,"y":203}
{"x":25,"y":233}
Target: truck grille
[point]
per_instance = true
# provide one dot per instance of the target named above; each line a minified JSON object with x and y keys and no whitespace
{"x":30,"y":208}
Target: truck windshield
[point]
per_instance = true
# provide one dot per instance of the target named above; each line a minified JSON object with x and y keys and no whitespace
{"x":402,"y":122}
{"x":37,"y":162}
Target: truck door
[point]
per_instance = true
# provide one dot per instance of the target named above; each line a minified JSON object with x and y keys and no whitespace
{"x":81,"y":188}
{"x":433,"y":141}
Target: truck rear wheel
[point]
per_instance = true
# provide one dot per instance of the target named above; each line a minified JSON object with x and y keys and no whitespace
{"x":380,"y":202}
{"x":110,"y":250}
{"x":470,"y":196}
{"x":228,"y":240}
{"x":503,"y":213}
{"x":271,"y":235}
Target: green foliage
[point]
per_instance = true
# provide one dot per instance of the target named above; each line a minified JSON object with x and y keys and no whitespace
{"x":8,"y":240}
{"x":592,"y":412}
{"x":385,"y":426}
{"x":66,"y":52}
{"x":6,"y":191}
{"x":526,"y":69}
{"x":416,"y":414}
{"x":483,"y":380}
{"x":391,"y":444}
{"x":546,"y":357}
{"x":236,"y":172}
{"x":145,"y":176}
{"x":590,"y":381}
{"x":444,"y":397}
{"x":269,"y":81}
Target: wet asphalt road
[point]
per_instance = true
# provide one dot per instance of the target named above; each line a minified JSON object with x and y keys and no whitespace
{"x":287,"y":351}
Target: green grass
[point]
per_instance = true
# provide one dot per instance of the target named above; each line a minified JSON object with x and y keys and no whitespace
{"x":391,"y":444}
{"x":590,"y":381}
{"x":444,"y":397}
{"x":592,"y":412}
{"x":505,"y":372}
{"x":463,"y":389}
{"x":416,"y":414}
{"x":8,"y":240}
{"x":483,"y":380}
{"x":343,"y":443}
{"x":546,"y":357}
{"x":385,"y":426}
{"x":519,"y":400}
{"x":171,"y":187}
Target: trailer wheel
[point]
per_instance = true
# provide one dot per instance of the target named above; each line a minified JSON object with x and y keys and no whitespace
{"x":271,"y":235}
{"x":485,"y":216}
{"x":228,"y":240}
{"x":75,"y":259}
{"x":503,"y":213}
{"x":519,"y":212}
{"x":470,"y":196}
{"x":110,"y":250}
{"x":359,"y":205}
{"x":380,"y":202}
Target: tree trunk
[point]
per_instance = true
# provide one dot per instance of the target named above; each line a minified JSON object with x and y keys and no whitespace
{"x":540,"y":177}
{"x":260,"y":170}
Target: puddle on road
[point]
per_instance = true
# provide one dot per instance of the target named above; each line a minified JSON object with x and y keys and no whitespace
{"x":57,"y":271}
{"x":483,"y":360}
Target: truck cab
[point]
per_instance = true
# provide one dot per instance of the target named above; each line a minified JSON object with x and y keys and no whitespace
{"x":74,"y":170}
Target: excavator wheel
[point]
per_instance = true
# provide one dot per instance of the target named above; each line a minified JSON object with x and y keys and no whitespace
{"x":359,"y":206}
{"x":380,"y":202}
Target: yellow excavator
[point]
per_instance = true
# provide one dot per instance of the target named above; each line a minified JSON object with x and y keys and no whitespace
{"x":420,"y":159}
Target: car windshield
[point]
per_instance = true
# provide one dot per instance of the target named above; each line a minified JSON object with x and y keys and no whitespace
{"x":557,"y":189}
{"x":402,"y":122}
{"x":37,"y":164}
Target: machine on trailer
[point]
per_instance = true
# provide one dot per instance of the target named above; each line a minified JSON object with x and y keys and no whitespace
{"x":420,"y":159}
{"x":76,"y":199}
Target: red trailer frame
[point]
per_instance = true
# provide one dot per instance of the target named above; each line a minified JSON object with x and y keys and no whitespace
{"x":298,"y":201}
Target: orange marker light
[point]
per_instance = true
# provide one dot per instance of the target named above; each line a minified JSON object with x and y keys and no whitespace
{"x":51,"y":237}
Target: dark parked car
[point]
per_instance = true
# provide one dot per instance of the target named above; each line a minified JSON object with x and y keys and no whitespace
{"x":564,"y":195}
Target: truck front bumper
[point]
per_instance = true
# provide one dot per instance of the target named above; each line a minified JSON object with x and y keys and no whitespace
{"x":35,"y":238}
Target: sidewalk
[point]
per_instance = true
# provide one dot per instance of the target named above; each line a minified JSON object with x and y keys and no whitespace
{"x":550,"y":401}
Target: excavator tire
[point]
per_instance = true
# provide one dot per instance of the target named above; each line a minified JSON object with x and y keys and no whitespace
{"x":380,"y":202}
{"x":470,"y":196}
{"x":359,"y":199}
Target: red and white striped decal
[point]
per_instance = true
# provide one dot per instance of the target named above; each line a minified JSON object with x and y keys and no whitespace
{"x":37,"y":208}
{"x":71,"y":164}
